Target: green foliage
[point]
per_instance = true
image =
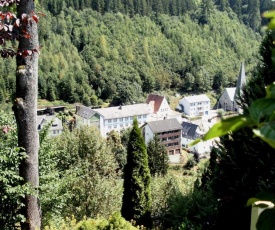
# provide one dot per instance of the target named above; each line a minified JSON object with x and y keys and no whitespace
{"x":115,"y":222}
{"x":11,"y":190}
{"x":191,"y":162}
{"x":193,"y":209}
{"x":136,"y":200}
{"x":158,"y":159}
{"x":114,"y":141}
{"x":88,"y":57}
{"x":271,"y":16}
{"x":162,"y":189}
{"x":79,"y":175}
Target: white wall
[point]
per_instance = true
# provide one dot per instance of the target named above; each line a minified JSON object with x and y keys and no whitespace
{"x":148,"y":134}
{"x":201,"y":147}
{"x":118,"y":124}
{"x":164,"y":109}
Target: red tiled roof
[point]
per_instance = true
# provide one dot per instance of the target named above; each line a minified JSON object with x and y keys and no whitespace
{"x":155,"y":101}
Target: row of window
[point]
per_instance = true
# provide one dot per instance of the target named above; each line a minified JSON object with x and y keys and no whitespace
{"x":170,"y":138}
{"x":168,"y":132}
{"x":200,"y":103}
{"x":121,"y":125}
{"x":124,"y":119}
{"x":162,"y":110}
{"x":172,"y":144}
{"x":57,"y":131}
{"x":199,"y":108}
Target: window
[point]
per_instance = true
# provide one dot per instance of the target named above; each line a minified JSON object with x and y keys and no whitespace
{"x":115,"y":126}
{"x":126,"y":118}
{"x":115,"y":120}
{"x":144,"y":116}
{"x":131,"y":118}
{"x":110,"y":121}
{"x":121,"y":119}
{"x":54,"y":131}
{"x":121,"y":125}
{"x":139,"y":116}
{"x":109,"y":127}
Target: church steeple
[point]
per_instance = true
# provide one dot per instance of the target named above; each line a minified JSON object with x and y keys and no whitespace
{"x":241,"y":81}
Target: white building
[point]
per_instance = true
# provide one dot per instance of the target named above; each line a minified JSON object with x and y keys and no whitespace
{"x":56,"y":127}
{"x":168,"y":131}
{"x":160,"y":106}
{"x":86,"y":116}
{"x":121,"y":117}
{"x":191,"y":132}
{"x":227,"y":101}
{"x":230,"y":97}
{"x":197,"y":105}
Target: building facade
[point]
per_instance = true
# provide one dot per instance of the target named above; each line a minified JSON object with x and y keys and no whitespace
{"x":230,"y":97}
{"x":191,"y":132}
{"x":168,"y":131}
{"x":160,"y":106}
{"x":227,"y":101}
{"x":121,"y":117}
{"x":55,"y":128}
{"x":197,"y":105}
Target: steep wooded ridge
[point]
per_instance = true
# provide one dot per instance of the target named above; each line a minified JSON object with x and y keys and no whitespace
{"x":91,"y":57}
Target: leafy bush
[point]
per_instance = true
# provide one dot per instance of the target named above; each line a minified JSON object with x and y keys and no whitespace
{"x":11,"y":190}
{"x":78,"y":176}
{"x":191,"y":162}
{"x":115,"y":222}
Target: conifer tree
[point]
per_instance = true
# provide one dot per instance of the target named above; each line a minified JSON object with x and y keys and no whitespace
{"x":136,"y":200}
{"x":245,"y":165}
{"x":157,"y":157}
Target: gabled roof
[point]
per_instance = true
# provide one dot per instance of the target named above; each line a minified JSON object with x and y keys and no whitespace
{"x":164,"y":125}
{"x":84,"y":112}
{"x":155,"y":101}
{"x":56,"y":122}
{"x":231,"y":92}
{"x":40,"y":119}
{"x":124,"y":111}
{"x":189,"y":130}
{"x":196,"y":98}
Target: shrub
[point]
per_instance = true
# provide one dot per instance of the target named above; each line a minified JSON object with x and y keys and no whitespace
{"x":115,"y":222}
{"x":191,"y":162}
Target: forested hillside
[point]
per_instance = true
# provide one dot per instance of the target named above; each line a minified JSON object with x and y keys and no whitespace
{"x":91,"y":57}
{"x":248,"y":11}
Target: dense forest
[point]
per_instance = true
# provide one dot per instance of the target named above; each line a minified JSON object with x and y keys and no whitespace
{"x":90,"y":57}
{"x":103,"y":51}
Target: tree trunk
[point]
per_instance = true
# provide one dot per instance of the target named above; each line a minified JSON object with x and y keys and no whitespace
{"x":25,"y":106}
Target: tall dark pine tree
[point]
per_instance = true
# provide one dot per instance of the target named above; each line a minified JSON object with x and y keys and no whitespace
{"x":206,"y":8}
{"x":245,"y":165}
{"x":254,"y":16}
{"x":136,"y":200}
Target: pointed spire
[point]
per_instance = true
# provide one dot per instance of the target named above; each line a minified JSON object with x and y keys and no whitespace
{"x":241,"y":81}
